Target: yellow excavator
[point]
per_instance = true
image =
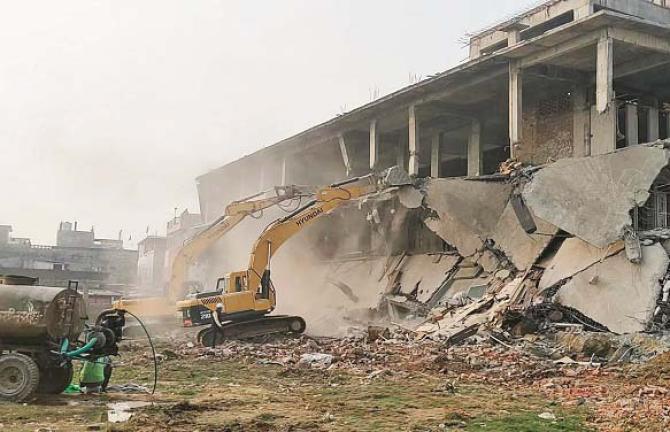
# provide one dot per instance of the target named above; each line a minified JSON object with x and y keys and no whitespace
{"x":194,"y":248}
{"x":244,"y":299}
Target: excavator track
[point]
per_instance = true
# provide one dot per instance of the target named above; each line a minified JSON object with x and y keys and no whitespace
{"x":229,"y":330}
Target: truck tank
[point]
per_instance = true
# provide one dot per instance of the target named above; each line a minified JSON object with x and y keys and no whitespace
{"x":30,"y":314}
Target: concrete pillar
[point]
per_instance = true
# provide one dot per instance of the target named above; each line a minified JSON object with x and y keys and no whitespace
{"x":345,"y":154}
{"x":513,"y":36}
{"x":401,"y":151}
{"x":283,"y":172}
{"x":632,"y":130}
{"x":604,"y":74}
{"x":515,"y":106}
{"x":374,"y":145}
{"x":584,"y":11}
{"x":653,"y":124}
{"x":514,"y":32}
{"x":603,"y":133}
{"x":413,"y":141}
{"x":475,"y":159}
{"x":474,"y":49}
{"x":435,"y":155}
{"x":261,"y":185}
{"x":581,"y":142}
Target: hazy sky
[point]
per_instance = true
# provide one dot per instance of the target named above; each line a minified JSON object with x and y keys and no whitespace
{"x":110,"y":109}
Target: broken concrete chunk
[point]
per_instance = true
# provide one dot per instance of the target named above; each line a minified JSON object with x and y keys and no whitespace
{"x":489,"y":261}
{"x":461,"y":286}
{"x":467,"y":272}
{"x":316,"y":360}
{"x":521,"y":248}
{"x":633,"y":246}
{"x":477,"y":291}
{"x":410,"y":197}
{"x":592,"y":197}
{"x":421,"y":273}
{"x":467,"y":211}
{"x":623,"y":295}
{"x":574,"y":256}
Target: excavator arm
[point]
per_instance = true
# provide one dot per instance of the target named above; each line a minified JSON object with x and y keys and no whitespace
{"x":235,"y":213}
{"x":326,"y":200}
{"x":195,"y":247}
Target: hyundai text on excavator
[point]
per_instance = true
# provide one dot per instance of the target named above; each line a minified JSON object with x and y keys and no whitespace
{"x":244,"y":299}
{"x":194,"y":248}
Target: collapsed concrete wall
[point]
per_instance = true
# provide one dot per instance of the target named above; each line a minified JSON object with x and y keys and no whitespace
{"x":551,"y":242}
{"x":592,"y":197}
{"x":566,"y":229}
{"x":466,"y":212}
{"x":617,"y":293}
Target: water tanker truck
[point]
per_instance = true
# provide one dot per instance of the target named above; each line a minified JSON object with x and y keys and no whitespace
{"x":42,"y":331}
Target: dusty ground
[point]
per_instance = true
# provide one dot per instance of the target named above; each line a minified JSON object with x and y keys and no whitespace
{"x":377,"y":386}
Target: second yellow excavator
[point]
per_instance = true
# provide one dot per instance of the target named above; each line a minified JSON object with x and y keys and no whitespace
{"x":154,"y":308}
{"x":244,"y":299}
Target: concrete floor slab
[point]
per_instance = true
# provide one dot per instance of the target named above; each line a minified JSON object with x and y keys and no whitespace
{"x":423,"y":272}
{"x":592,"y":197}
{"x":467,"y":212}
{"x":521,"y":248}
{"x":574,"y":256}
{"x":617,"y":293}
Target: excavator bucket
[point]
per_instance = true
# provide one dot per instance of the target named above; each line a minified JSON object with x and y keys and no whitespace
{"x":396,"y":176}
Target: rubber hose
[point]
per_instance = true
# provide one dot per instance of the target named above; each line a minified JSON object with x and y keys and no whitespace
{"x":86,"y":348}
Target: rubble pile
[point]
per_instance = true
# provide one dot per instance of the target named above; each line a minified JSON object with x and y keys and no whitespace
{"x":564,"y":243}
{"x":623,"y":379}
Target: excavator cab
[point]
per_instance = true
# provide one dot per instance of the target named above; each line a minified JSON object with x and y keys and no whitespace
{"x":222,"y":284}
{"x":231,"y":283}
{"x":235,"y":282}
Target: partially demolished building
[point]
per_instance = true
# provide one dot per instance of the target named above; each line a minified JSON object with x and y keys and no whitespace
{"x":542,"y":181}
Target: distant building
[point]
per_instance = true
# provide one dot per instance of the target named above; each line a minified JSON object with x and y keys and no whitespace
{"x":151,"y":264}
{"x":179,"y":230}
{"x":95,"y":263}
{"x":156,"y":253}
{"x":4,"y":234}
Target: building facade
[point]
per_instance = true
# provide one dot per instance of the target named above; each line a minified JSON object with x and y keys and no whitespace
{"x":77,"y":256}
{"x":569,"y":78}
{"x":156,"y":253}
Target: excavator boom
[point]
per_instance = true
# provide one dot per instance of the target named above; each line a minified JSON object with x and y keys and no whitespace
{"x":195,"y":247}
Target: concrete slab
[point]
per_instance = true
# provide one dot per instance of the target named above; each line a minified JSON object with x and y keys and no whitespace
{"x":410,"y":197}
{"x":467,"y":211}
{"x":489,"y":261}
{"x":617,"y":293}
{"x":574,"y":256}
{"x":364,"y":277}
{"x":463,"y":285}
{"x":424,"y":272}
{"x":592,"y":197}
{"x":467,"y":272}
{"x":521,"y":248}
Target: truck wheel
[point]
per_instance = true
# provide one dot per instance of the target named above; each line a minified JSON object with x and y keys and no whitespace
{"x":19,"y":377}
{"x":55,"y":379}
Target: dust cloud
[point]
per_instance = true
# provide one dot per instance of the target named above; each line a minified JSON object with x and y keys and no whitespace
{"x":318,"y":273}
